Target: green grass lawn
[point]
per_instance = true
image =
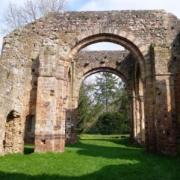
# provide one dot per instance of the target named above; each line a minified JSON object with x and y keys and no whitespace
{"x":94,"y":157}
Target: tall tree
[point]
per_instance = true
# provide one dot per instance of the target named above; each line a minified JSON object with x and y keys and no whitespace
{"x":83,"y":108}
{"x":88,"y":112}
{"x":105,"y":96}
{"x":107,"y":88}
{"x":31,"y":10}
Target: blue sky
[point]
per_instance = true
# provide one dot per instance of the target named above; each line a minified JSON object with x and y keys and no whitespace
{"x":168,"y":5}
{"x":172,"y":6}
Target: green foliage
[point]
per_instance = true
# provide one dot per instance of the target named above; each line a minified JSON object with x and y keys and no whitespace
{"x":111,"y":123}
{"x":93,"y":158}
{"x":108,"y":87}
{"x":107,"y":94}
{"x":87,"y":113}
{"x":83,"y":109}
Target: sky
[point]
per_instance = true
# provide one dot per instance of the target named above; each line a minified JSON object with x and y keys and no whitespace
{"x":172,"y":6}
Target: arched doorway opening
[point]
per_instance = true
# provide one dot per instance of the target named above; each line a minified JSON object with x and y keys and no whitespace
{"x":103,"y":106}
{"x":13,"y":133}
{"x":135,"y":79}
{"x":111,"y":38}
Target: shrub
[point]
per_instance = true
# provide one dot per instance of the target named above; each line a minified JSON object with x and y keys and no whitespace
{"x":111,"y":123}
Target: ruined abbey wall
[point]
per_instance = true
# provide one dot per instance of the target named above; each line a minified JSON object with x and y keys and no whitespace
{"x":42,"y":55}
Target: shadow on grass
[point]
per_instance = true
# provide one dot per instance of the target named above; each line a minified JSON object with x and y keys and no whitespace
{"x":124,"y":140}
{"x":125,"y":149}
{"x":111,"y":172}
{"x":135,"y":164}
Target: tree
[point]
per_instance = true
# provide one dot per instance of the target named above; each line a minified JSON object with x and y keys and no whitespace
{"x":108,"y":88}
{"x":83,"y":109}
{"x":112,"y":123}
{"x":31,"y":10}
{"x":88,"y":112}
{"x":106,"y":96}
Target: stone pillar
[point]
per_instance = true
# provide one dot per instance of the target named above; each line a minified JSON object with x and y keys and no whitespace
{"x":176,"y":69}
{"x":62,"y":100}
{"x":149,"y":103}
{"x":130,"y":110}
{"x":142,"y":113}
{"x":142,"y":124}
{"x":164,"y":102}
{"x":138,"y":99}
{"x":45,"y":137}
{"x":74,"y":119}
{"x":138,"y":116}
{"x":50,"y":112}
{"x":135,"y":123}
{"x":177,"y":95}
{"x":138,"y":119}
{"x":73,"y":97}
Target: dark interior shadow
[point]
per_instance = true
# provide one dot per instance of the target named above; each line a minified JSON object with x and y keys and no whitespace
{"x":174,"y":68}
{"x":29,"y":130}
{"x":28,"y":150}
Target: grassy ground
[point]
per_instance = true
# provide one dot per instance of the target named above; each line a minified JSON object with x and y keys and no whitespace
{"x":93,"y":158}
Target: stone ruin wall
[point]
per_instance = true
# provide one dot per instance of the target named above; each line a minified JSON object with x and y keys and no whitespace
{"x":86,"y":62}
{"x":49,"y":41}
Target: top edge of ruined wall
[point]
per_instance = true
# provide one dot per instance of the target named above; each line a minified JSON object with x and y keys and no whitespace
{"x":94,"y":13}
{"x":79,"y":14}
{"x":82,"y":14}
{"x":113,"y":11}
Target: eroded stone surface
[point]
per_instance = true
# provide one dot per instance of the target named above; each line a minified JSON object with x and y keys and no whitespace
{"x":40,"y":75}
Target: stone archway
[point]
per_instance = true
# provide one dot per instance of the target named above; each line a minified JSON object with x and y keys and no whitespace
{"x":120,"y":63}
{"x":72,"y":114}
{"x":53,"y":42}
{"x":114,"y":38}
{"x":13,"y":133}
{"x":40,"y":145}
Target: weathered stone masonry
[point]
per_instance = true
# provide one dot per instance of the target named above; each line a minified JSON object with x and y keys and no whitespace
{"x":41,"y":74}
{"x":87,"y":63}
